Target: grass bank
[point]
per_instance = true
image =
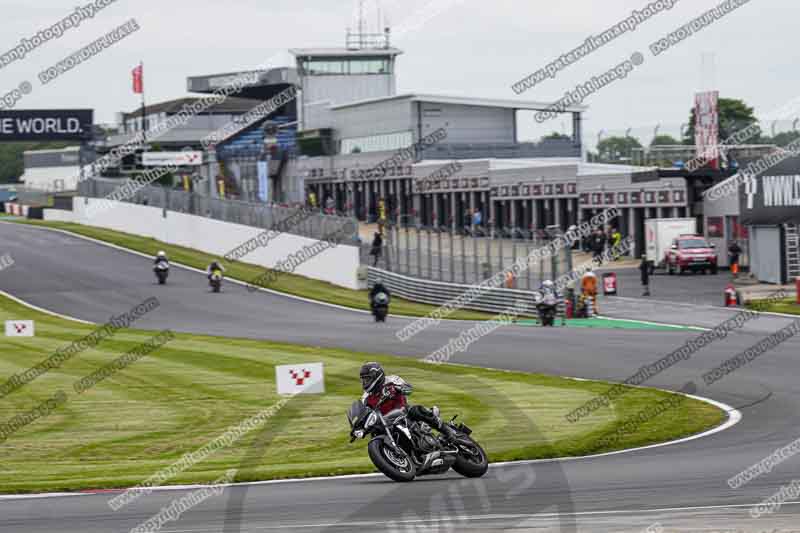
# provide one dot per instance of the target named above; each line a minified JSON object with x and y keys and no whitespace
{"x":788,"y":306}
{"x":190,"y":390}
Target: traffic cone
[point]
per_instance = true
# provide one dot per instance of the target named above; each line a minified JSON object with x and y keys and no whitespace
{"x":730,"y":296}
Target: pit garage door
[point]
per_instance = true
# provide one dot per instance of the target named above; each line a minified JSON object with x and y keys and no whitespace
{"x":765,"y":253}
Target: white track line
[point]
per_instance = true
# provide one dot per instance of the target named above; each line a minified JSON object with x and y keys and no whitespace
{"x":734,"y":416}
{"x":475,"y":518}
{"x":704,"y":306}
{"x":43,"y":310}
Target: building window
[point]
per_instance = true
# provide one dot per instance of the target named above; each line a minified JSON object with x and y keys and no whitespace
{"x":377,"y":143}
{"x":343,"y":67}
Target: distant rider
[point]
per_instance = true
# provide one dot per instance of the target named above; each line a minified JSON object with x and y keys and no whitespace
{"x":393,"y":392}
{"x":214,"y":266}
{"x":161,"y":257}
{"x":378,"y":288}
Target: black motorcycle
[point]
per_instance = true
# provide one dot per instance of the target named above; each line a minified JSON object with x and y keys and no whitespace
{"x":547,"y":308}
{"x":403,"y":449}
{"x":380,"y":306}
{"x":162,"y":271}
{"x":215,"y":280}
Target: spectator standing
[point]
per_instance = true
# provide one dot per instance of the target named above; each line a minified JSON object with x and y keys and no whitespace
{"x":598,"y":245}
{"x":616,"y":238}
{"x":734,"y":251}
{"x":644,"y":268}
{"x":477,"y":218}
{"x":377,"y":248}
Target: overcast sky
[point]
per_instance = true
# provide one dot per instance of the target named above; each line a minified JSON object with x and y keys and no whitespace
{"x":475,"y":48}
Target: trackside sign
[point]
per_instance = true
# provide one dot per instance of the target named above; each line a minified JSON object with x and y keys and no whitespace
{"x":45,"y":124}
{"x":773,"y":197}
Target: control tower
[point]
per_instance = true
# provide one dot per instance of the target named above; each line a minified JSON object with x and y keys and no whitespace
{"x":363,"y":69}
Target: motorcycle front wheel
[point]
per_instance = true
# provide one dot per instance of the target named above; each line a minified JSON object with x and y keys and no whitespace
{"x":392,"y":465}
{"x":471,"y":460}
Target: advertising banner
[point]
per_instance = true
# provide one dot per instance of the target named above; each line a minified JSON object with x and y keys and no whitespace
{"x":19,"y":328}
{"x":304,"y":378}
{"x":773,"y":197}
{"x":162,"y":159}
{"x":706,"y":126}
{"x":46,"y":124}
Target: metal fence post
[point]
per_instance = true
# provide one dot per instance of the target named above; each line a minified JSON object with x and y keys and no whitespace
{"x":408,"y":251}
{"x":396,"y":230}
{"x":476,"y":258}
{"x":528,"y":265}
{"x":514,"y":260}
{"x":452,"y":260}
{"x":541,"y":269}
{"x":387,"y":261}
{"x":419,"y":252}
{"x":430,"y":253}
{"x":463,"y":260}
{"x":500,"y":254}
{"x":439,"y":253}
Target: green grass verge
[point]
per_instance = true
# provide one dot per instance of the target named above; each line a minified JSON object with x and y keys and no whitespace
{"x":788,"y":306}
{"x":287,"y":283}
{"x":189,"y":391}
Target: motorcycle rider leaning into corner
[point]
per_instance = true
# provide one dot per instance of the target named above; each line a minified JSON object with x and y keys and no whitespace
{"x":393,"y":392}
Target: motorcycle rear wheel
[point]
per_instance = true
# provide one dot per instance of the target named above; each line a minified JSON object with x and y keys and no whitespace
{"x":471,"y":465}
{"x":389,"y":463}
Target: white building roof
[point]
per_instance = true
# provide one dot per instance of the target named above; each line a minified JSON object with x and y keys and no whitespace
{"x":462,"y":100}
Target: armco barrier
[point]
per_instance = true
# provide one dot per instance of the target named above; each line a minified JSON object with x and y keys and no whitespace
{"x":438,"y":293}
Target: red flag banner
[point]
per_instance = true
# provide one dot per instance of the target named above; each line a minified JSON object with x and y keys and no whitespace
{"x":138,"y":79}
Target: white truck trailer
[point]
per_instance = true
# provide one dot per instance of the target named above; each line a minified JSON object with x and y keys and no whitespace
{"x":659,"y":234}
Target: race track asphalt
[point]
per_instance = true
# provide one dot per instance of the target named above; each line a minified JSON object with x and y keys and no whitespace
{"x":683,"y":486}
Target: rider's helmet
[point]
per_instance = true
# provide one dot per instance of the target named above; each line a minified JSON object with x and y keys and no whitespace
{"x":381,"y":298}
{"x":214,"y":265}
{"x":548,"y":285}
{"x":161,"y":253}
{"x":372,"y":377}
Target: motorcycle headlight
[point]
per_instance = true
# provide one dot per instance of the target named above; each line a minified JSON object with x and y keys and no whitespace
{"x":359,"y":433}
{"x":371,"y":419}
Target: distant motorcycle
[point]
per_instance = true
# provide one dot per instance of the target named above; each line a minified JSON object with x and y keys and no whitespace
{"x":162,"y":271}
{"x":380,"y":306}
{"x":215,"y":280}
{"x":403,"y":449}
{"x":547,"y":307}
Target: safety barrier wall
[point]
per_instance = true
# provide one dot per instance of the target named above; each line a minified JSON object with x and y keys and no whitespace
{"x":13,"y":208}
{"x":337,"y":265}
{"x":437,"y":293}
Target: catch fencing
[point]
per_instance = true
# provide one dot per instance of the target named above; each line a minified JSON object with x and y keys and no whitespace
{"x":254,"y":214}
{"x":426,"y":253}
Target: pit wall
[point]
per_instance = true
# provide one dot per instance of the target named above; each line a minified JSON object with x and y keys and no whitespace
{"x":337,"y":265}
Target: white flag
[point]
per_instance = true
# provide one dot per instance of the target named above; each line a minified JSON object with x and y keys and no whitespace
{"x":306,"y":378}
{"x":19,"y":328}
